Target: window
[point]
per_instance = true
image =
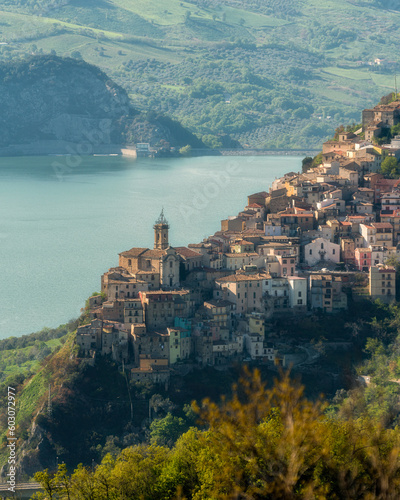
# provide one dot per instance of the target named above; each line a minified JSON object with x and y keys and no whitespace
{"x":129,"y":262}
{"x":170,"y":263}
{"x":383,"y":292}
{"x":310,"y":251}
{"x":299,"y":294}
{"x":333,"y":251}
{"x":322,"y":246}
{"x":300,"y":302}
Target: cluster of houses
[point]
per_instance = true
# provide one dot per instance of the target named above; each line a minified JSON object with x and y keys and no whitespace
{"x":312,"y":242}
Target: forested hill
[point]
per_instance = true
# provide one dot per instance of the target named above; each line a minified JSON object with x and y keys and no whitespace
{"x":270,"y":73}
{"x":53,"y":99}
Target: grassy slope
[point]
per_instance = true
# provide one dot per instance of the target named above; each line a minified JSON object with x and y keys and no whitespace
{"x":321,"y":41}
{"x":34,"y":389}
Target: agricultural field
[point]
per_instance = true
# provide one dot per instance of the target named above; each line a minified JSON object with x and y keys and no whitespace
{"x":268,"y":73}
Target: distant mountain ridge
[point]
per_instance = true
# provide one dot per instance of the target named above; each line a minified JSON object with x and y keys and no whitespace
{"x":52,"y":99}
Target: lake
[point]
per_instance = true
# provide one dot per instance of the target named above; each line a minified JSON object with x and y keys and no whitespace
{"x":64,"y":220}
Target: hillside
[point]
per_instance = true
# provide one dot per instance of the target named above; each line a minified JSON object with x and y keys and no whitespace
{"x":271,"y":74}
{"x":96,"y":409}
{"x":57,"y":101}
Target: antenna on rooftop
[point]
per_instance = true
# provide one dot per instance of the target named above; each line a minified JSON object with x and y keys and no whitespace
{"x":395,"y":85}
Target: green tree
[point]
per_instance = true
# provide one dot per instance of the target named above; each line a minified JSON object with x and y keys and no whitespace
{"x":137,"y":471}
{"x":82,"y":484}
{"x":186,"y":150}
{"x":63,"y":481}
{"x":76,"y":54}
{"x":165,"y":431}
{"x":103,"y":478}
{"x":317,"y":160}
{"x":306,"y":163}
{"x":48,"y":483}
{"x":390,"y":167}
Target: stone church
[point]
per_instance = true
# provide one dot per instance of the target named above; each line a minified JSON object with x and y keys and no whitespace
{"x":162,"y":260}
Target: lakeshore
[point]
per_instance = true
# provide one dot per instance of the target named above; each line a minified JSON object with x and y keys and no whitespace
{"x":65,"y":219}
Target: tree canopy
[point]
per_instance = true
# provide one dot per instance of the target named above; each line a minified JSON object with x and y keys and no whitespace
{"x":262,"y":444}
{"x":390,"y":167}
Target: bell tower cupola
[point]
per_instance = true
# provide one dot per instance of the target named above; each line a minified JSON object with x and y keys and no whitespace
{"x":161,"y":227}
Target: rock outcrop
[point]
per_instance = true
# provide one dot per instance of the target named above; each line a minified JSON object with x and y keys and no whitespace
{"x":54,"y":100}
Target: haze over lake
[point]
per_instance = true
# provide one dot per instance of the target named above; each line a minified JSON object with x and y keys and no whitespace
{"x":63,"y":224}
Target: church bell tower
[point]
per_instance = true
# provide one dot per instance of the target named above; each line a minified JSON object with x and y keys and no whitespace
{"x":161,"y":227}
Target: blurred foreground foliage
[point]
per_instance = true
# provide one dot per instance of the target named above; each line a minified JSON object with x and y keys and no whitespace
{"x":261,"y":444}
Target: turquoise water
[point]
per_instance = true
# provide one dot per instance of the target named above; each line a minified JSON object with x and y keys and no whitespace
{"x":64,"y":221}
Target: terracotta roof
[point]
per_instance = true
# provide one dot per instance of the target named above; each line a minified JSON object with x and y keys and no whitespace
{"x":254,"y":205}
{"x":198,"y":245}
{"x":133,"y":252}
{"x":261,"y":193}
{"x":146,"y":272}
{"x":243,"y":242}
{"x":332,"y":205}
{"x":152,"y":293}
{"x":382,"y":225}
{"x":234,"y":278}
{"x":219,"y":303}
{"x":134,"y":281}
{"x":153,"y":254}
{"x":248,"y":254}
{"x":187,"y":253}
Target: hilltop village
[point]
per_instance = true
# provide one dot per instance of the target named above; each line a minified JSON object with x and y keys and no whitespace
{"x":314,"y":242}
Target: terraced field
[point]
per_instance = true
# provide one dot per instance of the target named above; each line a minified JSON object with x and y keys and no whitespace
{"x":269,"y":73}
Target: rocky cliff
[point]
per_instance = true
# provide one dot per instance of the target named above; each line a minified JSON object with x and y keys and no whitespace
{"x":48,"y":99}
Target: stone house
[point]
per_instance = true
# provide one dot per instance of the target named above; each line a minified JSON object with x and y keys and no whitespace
{"x":377,"y":233}
{"x":162,"y":307}
{"x":321,"y":250}
{"x":243,"y":290}
{"x":326,"y":293}
{"x":382,"y":283}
